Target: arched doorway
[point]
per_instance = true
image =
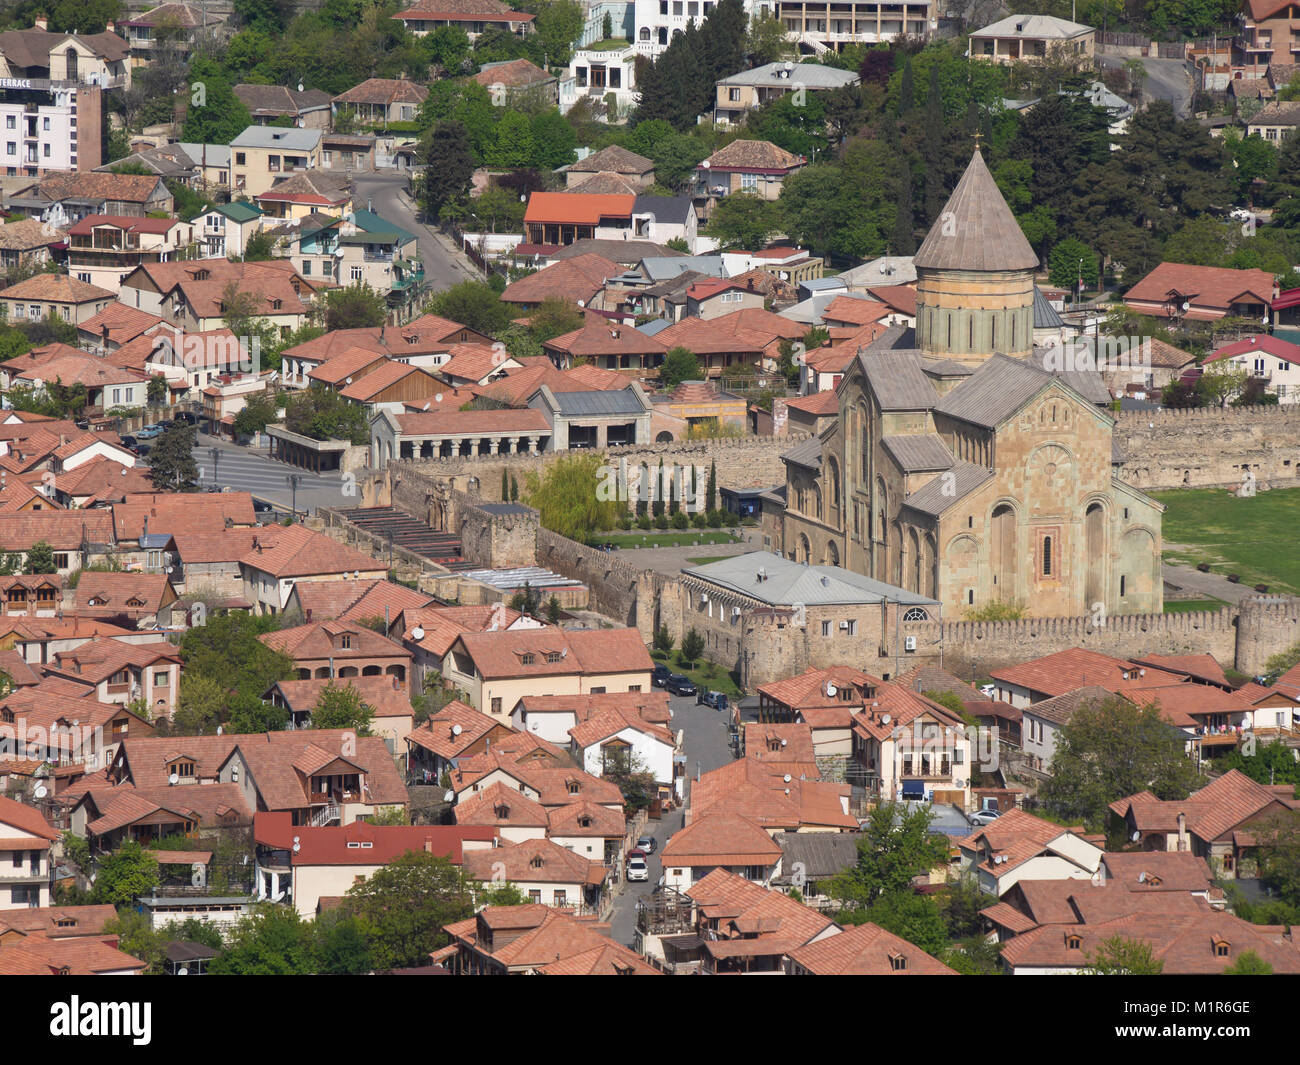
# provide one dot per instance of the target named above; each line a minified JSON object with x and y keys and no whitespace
{"x":832,"y":554}
{"x":1002,"y":555}
{"x":804,"y":553}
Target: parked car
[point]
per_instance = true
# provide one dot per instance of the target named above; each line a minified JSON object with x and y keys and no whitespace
{"x":983,"y":817}
{"x":149,"y":432}
{"x":638,"y":870}
{"x":637,"y":854}
{"x":646,"y":843}
{"x":130,"y":443}
{"x":660,"y":676}
{"x":261,"y":506}
{"x":679,"y":685}
{"x":714,"y":699}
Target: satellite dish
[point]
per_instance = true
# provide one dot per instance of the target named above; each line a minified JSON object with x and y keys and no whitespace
{"x":220,"y":729}
{"x":830,"y":690}
{"x":450,"y":796}
{"x":884,"y":719}
{"x":300,"y":86}
{"x":41,"y":791}
{"x":786,"y":778}
{"x":1136,"y":836}
{"x":417,"y":633}
{"x":173,"y":779}
{"x":296,"y":847}
{"x":456,"y":730}
{"x":1186,"y":306}
{"x":182,"y":971}
{"x":582,"y":303}
{"x":338,"y":254}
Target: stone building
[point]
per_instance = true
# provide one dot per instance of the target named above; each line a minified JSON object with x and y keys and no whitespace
{"x":963,"y":466}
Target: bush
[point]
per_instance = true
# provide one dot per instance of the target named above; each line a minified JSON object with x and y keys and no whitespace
{"x":700,"y":521}
{"x":625,"y":522}
{"x":661,"y":521}
{"x":715,"y":519}
{"x":681,"y":521}
{"x":644,"y":522}
{"x":999,"y":610}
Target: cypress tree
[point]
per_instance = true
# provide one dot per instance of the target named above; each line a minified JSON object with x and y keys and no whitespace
{"x":514,"y":489}
{"x":906,"y":89}
{"x":903,"y":240}
{"x":711,"y":493}
{"x":505,"y":486}
{"x":932,"y":138}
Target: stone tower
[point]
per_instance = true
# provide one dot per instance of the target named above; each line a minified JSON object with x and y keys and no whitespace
{"x":975,"y":276}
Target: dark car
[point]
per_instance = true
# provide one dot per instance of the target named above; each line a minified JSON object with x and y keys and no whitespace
{"x":130,"y":443}
{"x":660,"y":676}
{"x":261,"y":506}
{"x":679,"y":685}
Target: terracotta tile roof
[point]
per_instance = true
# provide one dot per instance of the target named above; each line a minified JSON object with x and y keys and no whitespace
{"x":29,"y":234}
{"x":606,"y":723}
{"x":867,"y":950}
{"x":97,"y":185}
{"x":1016,"y":836}
{"x":137,"y":594}
{"x":383,"y":599}
{"x":463,"y":11}
{"x":519,"y":385}
{"x":295,"y":551}
{"x":382,"y":694}
{"x":721,"y":839}
{"x":605,"y":184}
{"x":615,"y":159}
{"x":272,"y":296}
{"x":56,"y":288}
{"x":177,"y":513}
{"x":1159,"y":871}
{"x":786,"y":742}
{"x":1210,"y":287}
{"x":1060,"y":708}
{"x":536,"y":861}
{"x":553,"y":784}
{"x":102,"y":656}
{"x":613,"y":959}
{"x":513,"y":74}
{"x":26,"y":819}
{"x":441,"y":625}
{"x":501,"y":806}
{"x":386,"y":91}
{"x":1180,"y":703}
{"x":758,"y":791}
{"x":821,"y":404}
{"x":103,"y":481}
{"x":652,"y":705}
{"x":463,"y":422}
{"x":1185,"y":943}
{"x":472,"y":362}
{"x":312,"y":189}
{"x":808,"y":689}
{"x":273,"y":758}
{"x":1200,"y":667}
{"x":600,"y":336}
{"x":754,"y":155}
{"x":57,"y":922}
{"x":743,"y":900}
{"x":1212,"y":812}
{"x":205,"y":548}
{"x":124,"y":222}
{"x":385,"y":376}
{"x":546,"y":938}
{"x":590,"y":652}
{"x":360,"y":843}
{"x":212,"y":805}
{"x":1064,"y":671}
{"x":63,"y":530}
{"x":321,"y":639}
{"x":37,"y":955}
{"x":579,"y":278}
{"x":82,"y":369}
{"x":586,"y":819}
{"x":575,"y":208}
{"x":855,"y":310}
{"x":280,"y":100}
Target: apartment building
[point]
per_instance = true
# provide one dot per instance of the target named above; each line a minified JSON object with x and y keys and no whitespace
{"x":751,"y":89}
{"x":261,"y":154}
{"x":103,"y":249}
{"x":825,"y":26}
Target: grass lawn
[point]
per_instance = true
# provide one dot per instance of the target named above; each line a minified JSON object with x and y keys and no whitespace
{"x":672,"y":538}
{"x":1186,"y":606}
{"x":613,"y":44}
{"x":1250,"y":537}
{"x":706,"y":674}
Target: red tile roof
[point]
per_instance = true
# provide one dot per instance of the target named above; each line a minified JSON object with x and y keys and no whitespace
{"x":1205,"y":287}
{"x":867,"y":950}
{"x":360,"y":843}
{"x":579,"y":278}
{"x":576,"y":208}
{"x":295,"y":551}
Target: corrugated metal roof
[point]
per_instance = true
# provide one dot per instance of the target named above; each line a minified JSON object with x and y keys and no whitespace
{"x":660,"y":268}
{"x":786,"y":583}
{"x":942,"y":491}
{"x":926,"y":452}
{"x":624,"y":401}
{"x":995,"y":391}
{"x":897,"y":381}
{"x":511,"y":579}
{"x":822,"y":854}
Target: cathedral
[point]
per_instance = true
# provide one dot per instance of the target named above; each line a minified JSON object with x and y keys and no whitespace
{"x":960,"y":467}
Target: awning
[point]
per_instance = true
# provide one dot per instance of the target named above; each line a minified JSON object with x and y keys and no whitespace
{"x":914,"y":789}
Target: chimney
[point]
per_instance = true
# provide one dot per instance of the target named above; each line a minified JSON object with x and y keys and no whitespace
{"x":110,"y":26}
{"x":1182,"y":833}
{"x":42,"y":22}
{"x":309,"y":609}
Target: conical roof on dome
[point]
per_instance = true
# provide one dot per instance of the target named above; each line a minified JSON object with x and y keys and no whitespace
{"x":976,"y":229}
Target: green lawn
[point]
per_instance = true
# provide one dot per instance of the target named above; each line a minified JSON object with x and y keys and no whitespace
{"x":706,"y":674}
{"x":1186,"y":606}
{"x":1253,"y":538}
{"x":632,"y":541}
{"x":611,"y":45}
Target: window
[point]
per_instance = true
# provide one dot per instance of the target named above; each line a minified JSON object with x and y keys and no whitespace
{"x":749,"y":182}
{"x":1121,"y":587}
{"x":535,"y":895}
{"x":496,"y":706}
{"x":634,"y":687}
{"x":240,"y":159}
{"x":1073,"y":941}
{"x":346,"y":641}
{"x":852,"y":629}
{"x":1221,"y":948}
{"x":45,"y":150}
{"x":916,"y":613}
{"x":1047,"y":556}
{"x":61,"y":561}
{"x":553,"y":656}
{"x":561,"y":897}
{"x":826,"y":628}
{"x":527,"y":658}
{"x":355,"y":273}
{"x":598,"y":691}
{"x":897,"y":962}
{"x":306,"y":268}
{"x":161,"y":677}
{"x":733,"y":95}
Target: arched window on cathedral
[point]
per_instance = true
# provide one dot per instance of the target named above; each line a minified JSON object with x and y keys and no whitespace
{"x":993,"y":334}
{"x":971,"y":331}
{"x":1047,"y":556}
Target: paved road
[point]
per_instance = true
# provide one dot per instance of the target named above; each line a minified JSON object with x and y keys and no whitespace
{"x":706,"y":741}
{"x":1167,"y":79}
{"x":385,"y":194}
{"x":253,"y":470}
{"x":1211,"y":585}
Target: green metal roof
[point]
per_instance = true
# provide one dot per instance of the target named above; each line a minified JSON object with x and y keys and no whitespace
{"x":372,"y":223}
{"x":239,"y":212}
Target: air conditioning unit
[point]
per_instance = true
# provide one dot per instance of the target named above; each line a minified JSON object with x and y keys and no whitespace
{"x":959,"y":783}
{"x":909,"y":643}
{"x":844,"y":625}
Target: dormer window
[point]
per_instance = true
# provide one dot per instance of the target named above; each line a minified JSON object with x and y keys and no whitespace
{"x":573,"y":787}
{"x":527,"y":658}
{"x":553,"y":656}
{"x":584,"y":821}
{"x":1073,"y":941}
{"x":1221,"y":948}
{"x":501,"y":810}
{"x":345,"y":641}
{"x":537,"y":861}
{"x":898,"y":962}
{"x":66,"y":922}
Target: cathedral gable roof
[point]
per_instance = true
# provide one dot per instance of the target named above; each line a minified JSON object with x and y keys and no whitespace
{"x":897,"y":380}
{"x":942,"y":491}
{"x":995,"y":391}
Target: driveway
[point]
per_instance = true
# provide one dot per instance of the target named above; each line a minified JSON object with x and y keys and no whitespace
{"x":385,"y":194}
{"x":706,"y":743}
{"x":1167,"y":79}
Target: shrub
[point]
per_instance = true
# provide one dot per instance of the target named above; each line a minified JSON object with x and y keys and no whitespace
{"x":998,"y":610}
{"x":699,"y":520}
{"x":681,"y":521}
{"x":715,"y":519}
{"x":643,"y":522}
{"x":661,"y":521}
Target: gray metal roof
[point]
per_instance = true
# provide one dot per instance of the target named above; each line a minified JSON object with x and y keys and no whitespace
{"x":943,"y":490}
{"x":624,"y":401}
{"x":809,"y":75}
{"x":299,"y":140}
{"x":206,"y":154}
{"x":657,"y":326}
{"x":947,"y":368}
{"x":660,"y":268}
{"x":895,"y":338}
{"x":822,"y":854}
{"x":664,"y":208}
{"x":807,"y":453}
{"x":897,"y":381}
{"x":512,"y":579}
{"x":1045,"y":316}
{"x":822,"y":284}
{"x":787,"y":583}
{"x":995,"y":391}
{"x":913,"y":453}
{"x":887,"y":270}
{"x":1087,"y":382}
{"x":976,"y":230}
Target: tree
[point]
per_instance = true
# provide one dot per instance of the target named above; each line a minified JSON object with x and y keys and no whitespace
{"x":1108,"y":749}
{"x":341,"y":947}
{"x":77,"y":851}
{"x":633,"y":779}
{"x":553,"y":317}
{"x":341,"y":706}
{"x":766,"y":41}
{"x":448,"y":167}
{"x":1118,"y":956}
{"x":216,"y":115}
{"x":473,"y":304}
{"x":272,"y":941}
{"x":913,"y":917}
{"x":663,"y":640}
{"x":125,"y":875}
{"x":1249,"y":963}
{"x":896,"y":845}
{"x":1223,"y":382}
{"x":1278,"y":851}
{"x":502,"y":895}
{"x":40,"y":558}
{"x":1071,"y":260}
{"x":680,"y":364}
{"x":256,"y":414}
{"x":226,"y":653}
{"x":553,"y":610}
{"x":1271,"y":763}
{"x":404,"y":906}
{"x":156,"y":392}
{"x":692,"y":647}
{"x":743,"y":220}
{"x":323,"y":414}
{"x":171,"y":462}
{"x":574,"y":497}
{"x":259,"y":247}
{"x":711,"y":492}
{"x":356,"y":307}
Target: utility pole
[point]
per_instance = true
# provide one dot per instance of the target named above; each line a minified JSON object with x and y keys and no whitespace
{"x":215,"y":452}
{"x":293,"y":480}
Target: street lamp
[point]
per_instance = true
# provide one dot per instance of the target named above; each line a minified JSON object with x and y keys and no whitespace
{"x":215,"y":452}
{"x":293,"y":479}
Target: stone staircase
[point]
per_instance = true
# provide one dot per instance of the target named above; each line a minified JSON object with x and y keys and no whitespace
{"x":389,"y":523}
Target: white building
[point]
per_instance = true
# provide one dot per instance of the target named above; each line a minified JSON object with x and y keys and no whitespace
{"x":605,"y":75}
{"x":657,"y":20}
